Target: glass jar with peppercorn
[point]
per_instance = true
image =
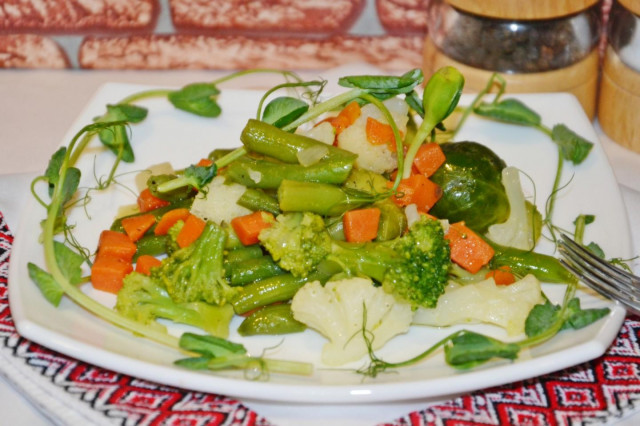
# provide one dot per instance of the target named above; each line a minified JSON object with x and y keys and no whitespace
{"x":619,"y":104}
{"x":541,"y":46}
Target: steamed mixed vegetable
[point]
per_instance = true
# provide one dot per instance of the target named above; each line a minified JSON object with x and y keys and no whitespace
{"x":356,"y":217}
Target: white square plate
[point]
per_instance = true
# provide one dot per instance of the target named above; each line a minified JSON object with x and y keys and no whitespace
{"x":182,"y":139}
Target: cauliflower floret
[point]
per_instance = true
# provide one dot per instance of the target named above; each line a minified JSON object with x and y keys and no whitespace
{"x":377,"y":158}
{"x":506,"y":306}
{"x":336,"y":311}
{"x":219,"y":201}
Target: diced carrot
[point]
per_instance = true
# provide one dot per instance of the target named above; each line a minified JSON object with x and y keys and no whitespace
{"x":468,"y":249}
{"x":502,"y":275}
{"x":379,"y":133}
{"x":193,"y":227}
{"x":429,"y":158}
{"x":137,"y":226}
{"x":116,"y":245}
{"x":147,"y":201}
{"x":204,"y":162}
{"x":107,"y":273}
{"x":145,"y":262}
{"x":248,"y":227}
{"x":419,"y":190}
{"x":361,"y":225}
{"x":169,"y":219}
{"x":346,"y":117}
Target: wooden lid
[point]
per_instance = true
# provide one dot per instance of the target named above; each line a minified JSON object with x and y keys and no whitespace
{"x":631,"y":5}
{"x":525,"y":10}
{"x":581,"y":78}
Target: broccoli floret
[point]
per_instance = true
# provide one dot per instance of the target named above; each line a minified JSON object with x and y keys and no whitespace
{"x":196,"y":272}
{"x":297,"y":242}
{"x":144,"y":299}
{"x":414,"y":267}
{"x":420,"y":276}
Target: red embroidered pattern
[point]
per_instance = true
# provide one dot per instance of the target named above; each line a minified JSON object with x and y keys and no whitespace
{"x":594,"y":392}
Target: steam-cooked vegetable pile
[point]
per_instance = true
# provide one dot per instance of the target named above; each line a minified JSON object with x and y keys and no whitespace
{"x":356,"y":217}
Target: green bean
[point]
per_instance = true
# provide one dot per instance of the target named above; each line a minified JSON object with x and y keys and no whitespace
{"x":233,"y":242}
{"x":218,"y":153}
{"x":252,"y":270}
{"x":266,"y":139}
{"x":153,"y":245}
{"x":172,"y":196}
{"x":258,"y":200}
{"x":240,"y":254}
{"x":393,"y":221}
{"x":265,"y":174}
{"x":272,"y":319}
{"x":320,"y":198}
{"x":280,"y":288}
{"x":157,"y":213}
{"x":335,"y":227}
{"x":522,"y":262}
{"x":244,"y":253}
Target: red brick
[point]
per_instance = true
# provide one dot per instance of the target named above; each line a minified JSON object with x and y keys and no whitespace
{"x":229,"y":52}
{"x":31,"y":51}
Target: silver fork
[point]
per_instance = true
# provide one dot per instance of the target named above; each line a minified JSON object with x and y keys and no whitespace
{"x":600,"y":275}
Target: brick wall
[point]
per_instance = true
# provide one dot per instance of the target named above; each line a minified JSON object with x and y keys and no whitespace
{"x":211,"y":34}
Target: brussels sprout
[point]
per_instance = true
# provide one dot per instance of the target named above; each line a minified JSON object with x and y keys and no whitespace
{"x":471,"y":181}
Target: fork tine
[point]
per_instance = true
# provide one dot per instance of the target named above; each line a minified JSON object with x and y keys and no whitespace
{"x":632,"y":304}
{"x":587,"y":270}
{"x":598,"y":274}
{"x":593,"y":276}
{"x":598,"y":262}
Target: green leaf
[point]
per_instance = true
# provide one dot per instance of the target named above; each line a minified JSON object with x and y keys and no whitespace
{"x":132,"y":113}
{"x":201,"y":175}
{"x":52,"y":173}
{"x":541,"y":317}
{"x":470,"y":349}
{"x":586,"y":218}
{"x":195,"y":363}
{"x":70,"y":264}
{"x":115,"y":137}
{"x":197,"y":98}
{"x":415,"y":103}
{"x":579,"y":318}
{"x":384,"y":84}
{"x":70,"y":185}
{"x":48,"y":286}
{"x":574,"y":147}
{"x":210,"y":346}
{"x":595,"y":249}
{"x":509,"y":111}
{"x":69,"y":261}
{"x":284,"y":110}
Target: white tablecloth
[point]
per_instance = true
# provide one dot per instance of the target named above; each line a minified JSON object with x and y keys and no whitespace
{"x":36,"y":110}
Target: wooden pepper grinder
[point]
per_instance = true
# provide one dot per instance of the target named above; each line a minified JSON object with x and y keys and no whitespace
{"x":541,"y":46}
{"x":619,"y":104}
